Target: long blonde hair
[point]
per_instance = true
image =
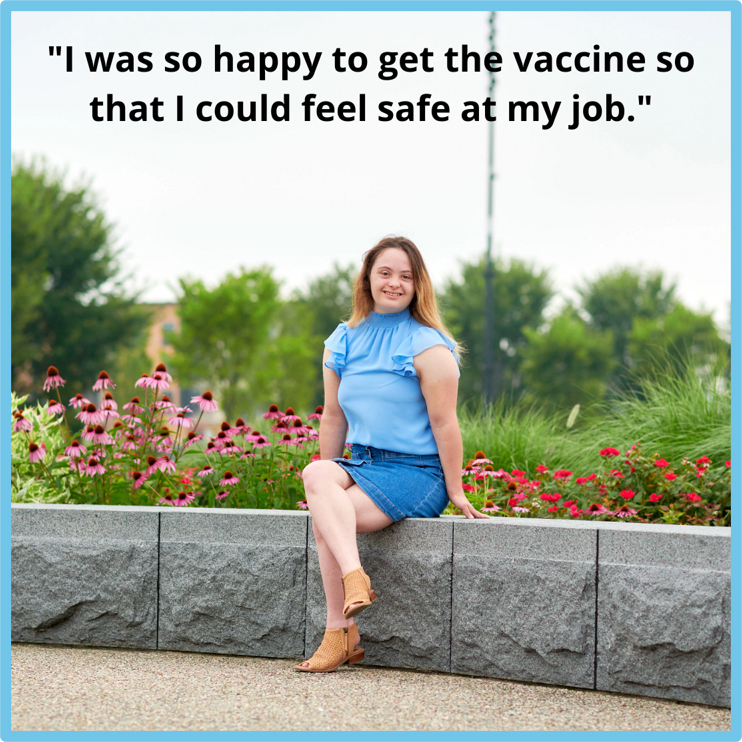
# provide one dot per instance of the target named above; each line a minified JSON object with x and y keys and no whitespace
{"x":424,"y":305}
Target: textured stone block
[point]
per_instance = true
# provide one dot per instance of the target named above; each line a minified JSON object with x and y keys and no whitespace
{"x":664,"y":612}
{"x":84,"y":574}
{"x":524,"y":600}
{"x":233,"y":581}
{"x":409,"y":564}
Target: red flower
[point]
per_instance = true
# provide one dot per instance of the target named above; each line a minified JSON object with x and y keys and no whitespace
{"x":513,"y":501}
{"x":553,"y":508}
{"x":602,"y":489}
{"x":568,"y":504}
{"x":582,"y":480}
{"x":562,"y":474}
{"x":693,"y":497}
{"x":661,"y":462}
{"x":516,"y":473}
{"x":670,"y":476}
{"x":703,"y":460}
{"x":655,"y":498}
{"x":727,"y":464}
{"x":610,"y":452}
{"x":468,"y":488}
{"x":541,"y":468}
{"x":616,"y":473}
{"x":627,"y":494}
{"x":592,"y":477}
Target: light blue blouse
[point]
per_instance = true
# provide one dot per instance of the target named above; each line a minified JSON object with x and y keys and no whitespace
{"x":379,"y":388}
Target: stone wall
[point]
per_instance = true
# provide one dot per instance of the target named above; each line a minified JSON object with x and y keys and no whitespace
{"x":631,"y":608}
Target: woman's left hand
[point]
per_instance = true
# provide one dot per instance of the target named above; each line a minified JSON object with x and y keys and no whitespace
{"x":461,"y":501}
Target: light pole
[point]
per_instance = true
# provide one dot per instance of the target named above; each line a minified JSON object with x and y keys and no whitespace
{"x":488,"y":380}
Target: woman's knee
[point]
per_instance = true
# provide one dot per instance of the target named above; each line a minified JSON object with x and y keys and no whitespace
{"x":317,"y":474}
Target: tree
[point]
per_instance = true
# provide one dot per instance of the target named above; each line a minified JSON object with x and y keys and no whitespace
{"x":521,"y":295}
{"x":69,"y":308}
{"x":235,"y":338}
{"x":568,"y":363}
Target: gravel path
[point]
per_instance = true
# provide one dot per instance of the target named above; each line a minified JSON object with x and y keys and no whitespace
{"x":57,"y":687}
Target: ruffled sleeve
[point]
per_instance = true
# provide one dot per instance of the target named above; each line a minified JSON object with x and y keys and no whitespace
{"x":337,"y":343}
{"x":421,"y":339}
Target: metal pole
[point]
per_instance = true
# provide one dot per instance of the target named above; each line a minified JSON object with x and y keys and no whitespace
{"x":488,"y":381}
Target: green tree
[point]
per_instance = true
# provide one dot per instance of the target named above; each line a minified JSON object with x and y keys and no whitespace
{"x":521,"y":294}
{"x":568,"y":363}
{"x":242,"y":342}
{"x":69,"y":307}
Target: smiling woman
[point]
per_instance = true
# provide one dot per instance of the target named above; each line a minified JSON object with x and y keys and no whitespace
{"x":391,"y":380}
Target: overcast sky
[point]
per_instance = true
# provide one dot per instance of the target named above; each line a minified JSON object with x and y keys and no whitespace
{"x":203,"y":198}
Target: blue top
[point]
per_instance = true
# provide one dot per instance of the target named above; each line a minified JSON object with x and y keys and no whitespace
{"x":379,"y":388}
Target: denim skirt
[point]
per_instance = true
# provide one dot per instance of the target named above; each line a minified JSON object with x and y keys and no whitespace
{"x":403,"y":485}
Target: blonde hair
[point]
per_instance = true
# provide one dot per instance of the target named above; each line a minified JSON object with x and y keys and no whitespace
{"x":424,"y":305}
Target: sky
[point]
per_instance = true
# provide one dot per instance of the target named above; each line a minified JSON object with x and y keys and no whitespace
{"x":200,"y":199}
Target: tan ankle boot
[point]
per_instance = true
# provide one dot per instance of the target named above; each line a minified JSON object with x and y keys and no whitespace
{"x":337,"y":648}
{"x":357,"y":589}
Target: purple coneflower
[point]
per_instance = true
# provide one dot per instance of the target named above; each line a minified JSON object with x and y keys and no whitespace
{"x":229,"y":450}
{"x":289,"y":416}
{"x":206,"y":402}
{"x":624,"y":511}
{"x":261,"y":442}
{"x":222,"y":439}
{"x":108,"y":411}
{"x":130,"y":443}
{"x":21,"y":424}
{"x":53,"y":379}
{"x":490,"y":507}
{"x":180,"y":420}
{"x":297,"y":428}
{"x":153,"y":464}
{"x":109,"y":400}
{"x":479,"y":462}
{"x":166,"y":464}
{"x":162,"y":370}
{"x":94,"y":467}
{"x":192,"y":438}
{"x":88,"y":433}
{"x":229,"y":430}
{"x":166,"y":499}
{"x":89,"y":415}
{"x":596,"y":507}
{"x":302,"y":504}
{"x":100,"y":436}
{"x":286,"y":440}
{"x":139,"y":479}
{"x":241,"y":427}
{"x":75,"y":449}
{"x":157,"y":382}
{"x":54,"y":408}
{"x":520,"y":510}
{"x":36,"y":452}
{"x":317,"y":414}
{"x":182,"y":499}
{"x":228,"y":480}
{"x":79,"y":401}
{"x":142,"y":381}
{"x":247,"y":455}
{"x":164,"y":403}
{"x":222,"y":494}
{"x":104,"y":382}
{"x":205,"y":471}
{"x":273,"y":413}
{"x":134,"y":407}
{"x":280,"y":427}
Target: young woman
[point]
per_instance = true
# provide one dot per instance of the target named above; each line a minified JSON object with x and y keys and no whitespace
{"x":391,"y":380}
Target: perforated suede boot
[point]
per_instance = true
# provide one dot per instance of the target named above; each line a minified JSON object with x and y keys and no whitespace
{"x":357,"y":589}
{"x":336,"y":649}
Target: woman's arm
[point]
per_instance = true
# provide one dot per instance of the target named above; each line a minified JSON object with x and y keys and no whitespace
{"x":436,"y":368}
{"x":334,"y":427}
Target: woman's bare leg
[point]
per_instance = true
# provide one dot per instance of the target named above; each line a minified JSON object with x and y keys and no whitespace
{"x":366,"y":517}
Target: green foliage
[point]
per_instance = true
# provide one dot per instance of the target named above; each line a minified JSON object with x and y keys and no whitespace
{"x":568,"y":363}
{"x":520,"y":296}
{"x":68,"y":304}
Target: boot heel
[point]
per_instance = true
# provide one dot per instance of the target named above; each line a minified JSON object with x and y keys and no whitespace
{"x":357,"y":657}
{"x":372,"y":596}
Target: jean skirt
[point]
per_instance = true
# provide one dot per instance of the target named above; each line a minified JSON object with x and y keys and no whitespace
{"x":403,"y":485}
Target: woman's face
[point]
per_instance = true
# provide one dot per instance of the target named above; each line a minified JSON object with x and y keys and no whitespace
{"x":392,"y":285}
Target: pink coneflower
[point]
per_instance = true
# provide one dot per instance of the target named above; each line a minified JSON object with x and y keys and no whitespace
{"x":517,"y":509}
{"x":153,"y":464}
{"x":164,"y":403}
{"x":75,"y":449}
{"x":180,"y":420}
{"x":142,"y":381}
{"x":88,"y":433}
{"x":193,"y":438}
{"x":222,"y":494}
{"x":317,"y":414}
{"x":490,"y":507}
{"x":157,"y":382}
{"x":166,"y":499}
{"x":273,"y":413}
{"x":313,"y":434}
{"x":135,"y":406}
{"x":89,"y":415}
{"x":228,"y":480}
{"x":109,"y":400}
{"x":79,"y":401}
{"x":206,"y":402}
{"x":104,"y":382}
{"x":247,"y":455}
{"x":139,"y":478}
{"x":166,"y":464}
{"x":624,"y":511}
{"x":100,"y":436}
{"x":54,"y":408}
{"x":183,"y":498}
{"x":227,"y":429}
{"x":53,"y":379}
{"x":94,"y":467}
{"x":130,"y":443}
{"x":289,"y":416}
{"x":222,"y":439}
{"x":36,"y":452}
{"x":162,"y":370}
{"x":78,"y":465}
{"x":205,"y":471}
{"x":302,"y":505}
{"x":229,"y":449}
{"x":562,"y":474}
{"x":541,"y":468}
{"x":627,"y":494}
{"x":469,"y":469}
{"x":279,"y":427}
{"x":21,"y":424}
{"x":261,"y":442}
{"x":241,"y":427}
{"x":596,"y":507}
{"x":297,"y":428}
{"x":610,"y":452}
{"x":108,"y":411}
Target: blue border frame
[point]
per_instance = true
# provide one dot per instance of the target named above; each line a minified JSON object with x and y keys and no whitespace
{"x":8,"y":6}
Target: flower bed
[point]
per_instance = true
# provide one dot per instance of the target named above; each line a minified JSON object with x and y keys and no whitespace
{"x":151,"y":452}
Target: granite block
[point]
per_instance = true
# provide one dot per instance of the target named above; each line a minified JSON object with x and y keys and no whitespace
{"x":524,"y":600}
{"x":664,"y":613}
{"x":233,"y":581}
{"x":409,"y":564}
{"x":84,"y":575}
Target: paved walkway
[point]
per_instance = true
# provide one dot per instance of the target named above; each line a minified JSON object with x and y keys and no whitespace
{"x":78,"y":688}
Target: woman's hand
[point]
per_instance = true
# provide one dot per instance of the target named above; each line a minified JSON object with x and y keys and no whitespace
{"x":461,"y":501}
